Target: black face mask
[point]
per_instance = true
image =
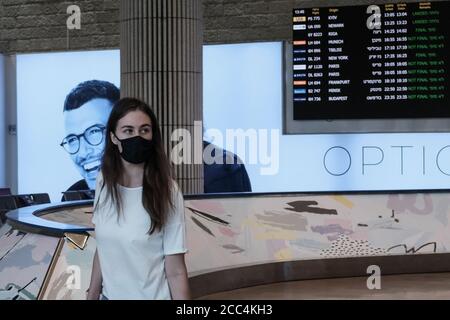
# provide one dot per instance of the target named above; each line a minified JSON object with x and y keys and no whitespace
{"x":136,"y":150}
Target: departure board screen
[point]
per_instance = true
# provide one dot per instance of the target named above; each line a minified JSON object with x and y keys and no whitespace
{"x":372,"y":61}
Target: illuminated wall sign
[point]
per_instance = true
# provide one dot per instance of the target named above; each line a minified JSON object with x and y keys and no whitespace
{"x":369,"y":62}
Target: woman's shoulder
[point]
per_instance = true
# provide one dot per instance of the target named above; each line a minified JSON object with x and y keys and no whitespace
{"x":99,"y":178}
{"x":99,"y":182}
{"x":177,"y":194}
{"x":174,"y":187}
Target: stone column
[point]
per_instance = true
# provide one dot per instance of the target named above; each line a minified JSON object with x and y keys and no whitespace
{"x":161,"y":63}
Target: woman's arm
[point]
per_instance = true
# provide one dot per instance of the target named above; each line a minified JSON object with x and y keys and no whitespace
{"x":176,"y":274}
{"x":95,"y":287}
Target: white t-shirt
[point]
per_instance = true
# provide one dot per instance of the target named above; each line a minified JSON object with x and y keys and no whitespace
{"x":131,"y":260}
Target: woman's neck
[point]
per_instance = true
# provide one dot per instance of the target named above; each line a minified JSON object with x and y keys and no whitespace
{"x":133,"y":175}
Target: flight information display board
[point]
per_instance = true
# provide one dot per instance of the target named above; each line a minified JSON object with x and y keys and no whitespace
{"x":372,"y":61}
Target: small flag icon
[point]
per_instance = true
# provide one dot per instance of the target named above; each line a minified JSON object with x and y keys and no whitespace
{"x":299,"y":66}
{"x":299,"y":19}
{"x":299,"y":26}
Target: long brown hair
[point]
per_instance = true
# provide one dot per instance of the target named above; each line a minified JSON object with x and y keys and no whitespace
{"x":157,"y":181}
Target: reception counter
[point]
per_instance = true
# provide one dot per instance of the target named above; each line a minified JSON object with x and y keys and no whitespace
{"x":241,"y":240}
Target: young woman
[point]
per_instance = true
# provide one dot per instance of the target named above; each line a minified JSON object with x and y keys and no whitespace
{"x":138,"y":213}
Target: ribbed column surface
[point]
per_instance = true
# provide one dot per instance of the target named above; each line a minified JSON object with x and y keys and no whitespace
{"x":161,"y":63}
